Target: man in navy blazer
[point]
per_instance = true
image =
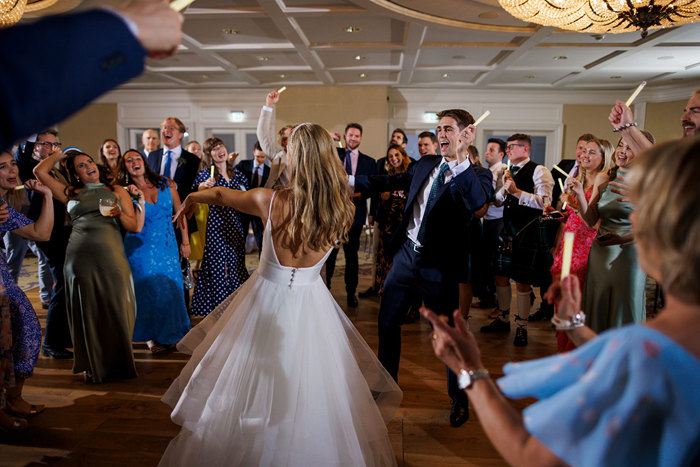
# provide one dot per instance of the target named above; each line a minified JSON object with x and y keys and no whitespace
{"x":104,"y":48}
{"x":257,"y":173}
{"x":355,"y":163}
{"x":432,"y":246}
{"x":172,"y":160}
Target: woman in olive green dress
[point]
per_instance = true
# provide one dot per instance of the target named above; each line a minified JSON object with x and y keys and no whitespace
{"x":99,"y":289}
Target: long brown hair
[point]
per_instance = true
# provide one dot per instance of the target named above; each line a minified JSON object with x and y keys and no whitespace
{"x":153,"y":178}
{"x":210,"y":144}
{"x":74,"y":181}
{"x":405,"y":160}
{"x":612,"y":173}
{"x":16,"y":199}
{"x":321,"y":211}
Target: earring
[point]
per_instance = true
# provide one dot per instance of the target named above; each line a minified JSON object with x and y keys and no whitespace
{"x":77,"y":179}
{"x":127,"y":178}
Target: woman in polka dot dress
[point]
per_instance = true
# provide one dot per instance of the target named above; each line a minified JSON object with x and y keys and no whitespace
{"x":223,"y":265}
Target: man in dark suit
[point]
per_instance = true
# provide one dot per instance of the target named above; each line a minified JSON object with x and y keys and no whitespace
{"x":355,"y":163}
{"x":172,"y":160}
{"x":257,"y":173}
{"x":99,"y":43}
{"x":432,"y":245}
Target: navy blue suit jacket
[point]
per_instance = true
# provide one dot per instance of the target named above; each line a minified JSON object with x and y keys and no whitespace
{"x":447,"y":243}
{"x":82,"y":55}
{"x":185,"y":174}
{"x":246,"y":168}
{"x":366,"y":166}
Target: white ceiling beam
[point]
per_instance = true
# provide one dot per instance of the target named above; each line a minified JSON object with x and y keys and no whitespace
{"x":527,"y":45}
{"x":415,"y":34}
{"x":196,"y":48}
{"x":292,"y":31}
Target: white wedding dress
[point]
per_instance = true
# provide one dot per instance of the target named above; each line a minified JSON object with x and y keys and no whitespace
{"x":279,"y":376}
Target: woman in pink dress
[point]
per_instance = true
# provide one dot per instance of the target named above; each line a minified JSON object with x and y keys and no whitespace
{"x":596,"y":159}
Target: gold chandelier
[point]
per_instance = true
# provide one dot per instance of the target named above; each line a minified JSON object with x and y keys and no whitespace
{"x":12,"y":11}
{"x":605,"y":16}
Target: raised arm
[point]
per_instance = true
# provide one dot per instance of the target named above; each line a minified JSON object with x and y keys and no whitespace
{"x":43,"y":173}
{"x":41,"y":229}
{"x":254,"y":202}
{"x":266,"y":126}
{"x":622,"y":120}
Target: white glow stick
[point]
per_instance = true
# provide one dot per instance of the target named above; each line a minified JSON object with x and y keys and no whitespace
{"x":19,"y":187}
{"x":508,"y":166}
{"x":566,"y":256}
{"x":556,"y":167}
{"x":212,"y":172}
{"x":563,"y":208}
{"x":482,"y":118}
{"x":635,"y":93}
{"x":179,"y":5}
{"x":561,"y":185}
{"x":281,"y":90}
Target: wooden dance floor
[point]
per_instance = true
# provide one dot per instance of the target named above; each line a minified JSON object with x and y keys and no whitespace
{"x":125,"y":424}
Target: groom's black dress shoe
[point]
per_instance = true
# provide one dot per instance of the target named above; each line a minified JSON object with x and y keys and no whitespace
{"x":459,"y":413}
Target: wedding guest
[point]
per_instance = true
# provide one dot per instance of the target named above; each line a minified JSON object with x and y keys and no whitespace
{"x":596,"y":158}
{"x":25,"y":331}
{"x":614,"y":288}
{"x":389,"y":213}
{"x":162,"y":318}
{"x":628,"y":396}
{"x":223,"y":265}
{"x":110,"y":157}
{"x":99,"y":288}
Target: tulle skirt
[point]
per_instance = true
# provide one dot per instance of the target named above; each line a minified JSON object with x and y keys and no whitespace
{"x":280,"y":377}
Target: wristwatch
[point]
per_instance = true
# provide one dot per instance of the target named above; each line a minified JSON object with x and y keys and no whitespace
{"x":465,"y":379}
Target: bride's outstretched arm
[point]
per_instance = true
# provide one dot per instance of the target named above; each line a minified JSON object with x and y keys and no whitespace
{"x":254,"y":202}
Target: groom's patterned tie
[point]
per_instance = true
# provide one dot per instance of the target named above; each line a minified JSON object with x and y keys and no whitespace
{"x":437,"y":184}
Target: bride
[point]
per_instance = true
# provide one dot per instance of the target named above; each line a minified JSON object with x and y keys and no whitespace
{"x":278,"y":374}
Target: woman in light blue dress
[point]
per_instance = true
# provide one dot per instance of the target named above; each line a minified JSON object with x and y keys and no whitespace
{"x":161,"y":319}
{"x":630,"y":395}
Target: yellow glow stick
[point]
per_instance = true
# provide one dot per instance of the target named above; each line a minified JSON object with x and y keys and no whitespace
{"x":19,"y":187}
{"x":566,"y":256}
{"x":179,"y":5}
{"x":483,"y":116}
{"x":212,"y":172}
{"x":508,"y":166}
{"x":563,"y":208}
{"x":635,"y":93}
{"x":561,"y":185}
{"x":556,"y":167}
{"x":281,"y":90}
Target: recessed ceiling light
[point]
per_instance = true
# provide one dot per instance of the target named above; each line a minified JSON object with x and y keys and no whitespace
{"x":352,"y":28}
{"x":616,"y":77}
{"x":666,"y":57}
{"x":458,"y":57}
{"x":283,"y":75}
{"x":262,"y":58}
{"x":359,"y":57}
{"x":445,"y":75}
{"x":205,"y":76}
{"x":363,"y":75}
{"x":489,"y":15}
{"x":229,"y":31}
{"x":561,"y":57}
{"x":529,"y":76}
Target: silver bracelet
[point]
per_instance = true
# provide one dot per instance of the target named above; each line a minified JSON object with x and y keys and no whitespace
{"x":578,"y":320}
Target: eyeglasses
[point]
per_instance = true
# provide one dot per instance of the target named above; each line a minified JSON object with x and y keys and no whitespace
{"x":48,"y":145}
{"x":510,"y":147}
{"x":170,"y":127}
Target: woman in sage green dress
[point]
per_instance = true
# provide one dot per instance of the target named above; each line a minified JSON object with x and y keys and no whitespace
{"x":99,"y":289}
{"x":613,"y":293}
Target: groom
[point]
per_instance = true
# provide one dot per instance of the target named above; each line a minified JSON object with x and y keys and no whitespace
{"x":432,"y":245}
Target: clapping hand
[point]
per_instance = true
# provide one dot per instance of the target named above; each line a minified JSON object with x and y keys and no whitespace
{"x":456,"y":345}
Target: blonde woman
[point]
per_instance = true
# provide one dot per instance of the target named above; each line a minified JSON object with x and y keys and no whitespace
{"x":596,"y":159}
{"x":278,"y":374}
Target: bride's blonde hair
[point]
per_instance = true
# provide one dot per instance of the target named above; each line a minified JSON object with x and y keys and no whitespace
{"x":321,"y":210}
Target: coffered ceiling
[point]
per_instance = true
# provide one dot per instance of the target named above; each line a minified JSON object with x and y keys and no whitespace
{"x":470,"y":44}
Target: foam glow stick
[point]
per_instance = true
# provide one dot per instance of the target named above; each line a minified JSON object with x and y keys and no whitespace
{"x":212,"y":172}
{"x":482,"y":118}
{"x":179,"y":5}
{"x":566,"y":257}
{"x":281,"y":90}
{"x":635,"y":93}
{"x":561,"y":185}
{"x":508,"y":166}
{"x":563,"y":208}
{"x":556,"y":167}
{"x":19,"y":187}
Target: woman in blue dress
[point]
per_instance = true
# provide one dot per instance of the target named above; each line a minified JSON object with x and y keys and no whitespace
{"x":24,"y":324}
{"x":628,"y":396}
{"x":162,"y":318}
{"x":223,"y":265}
